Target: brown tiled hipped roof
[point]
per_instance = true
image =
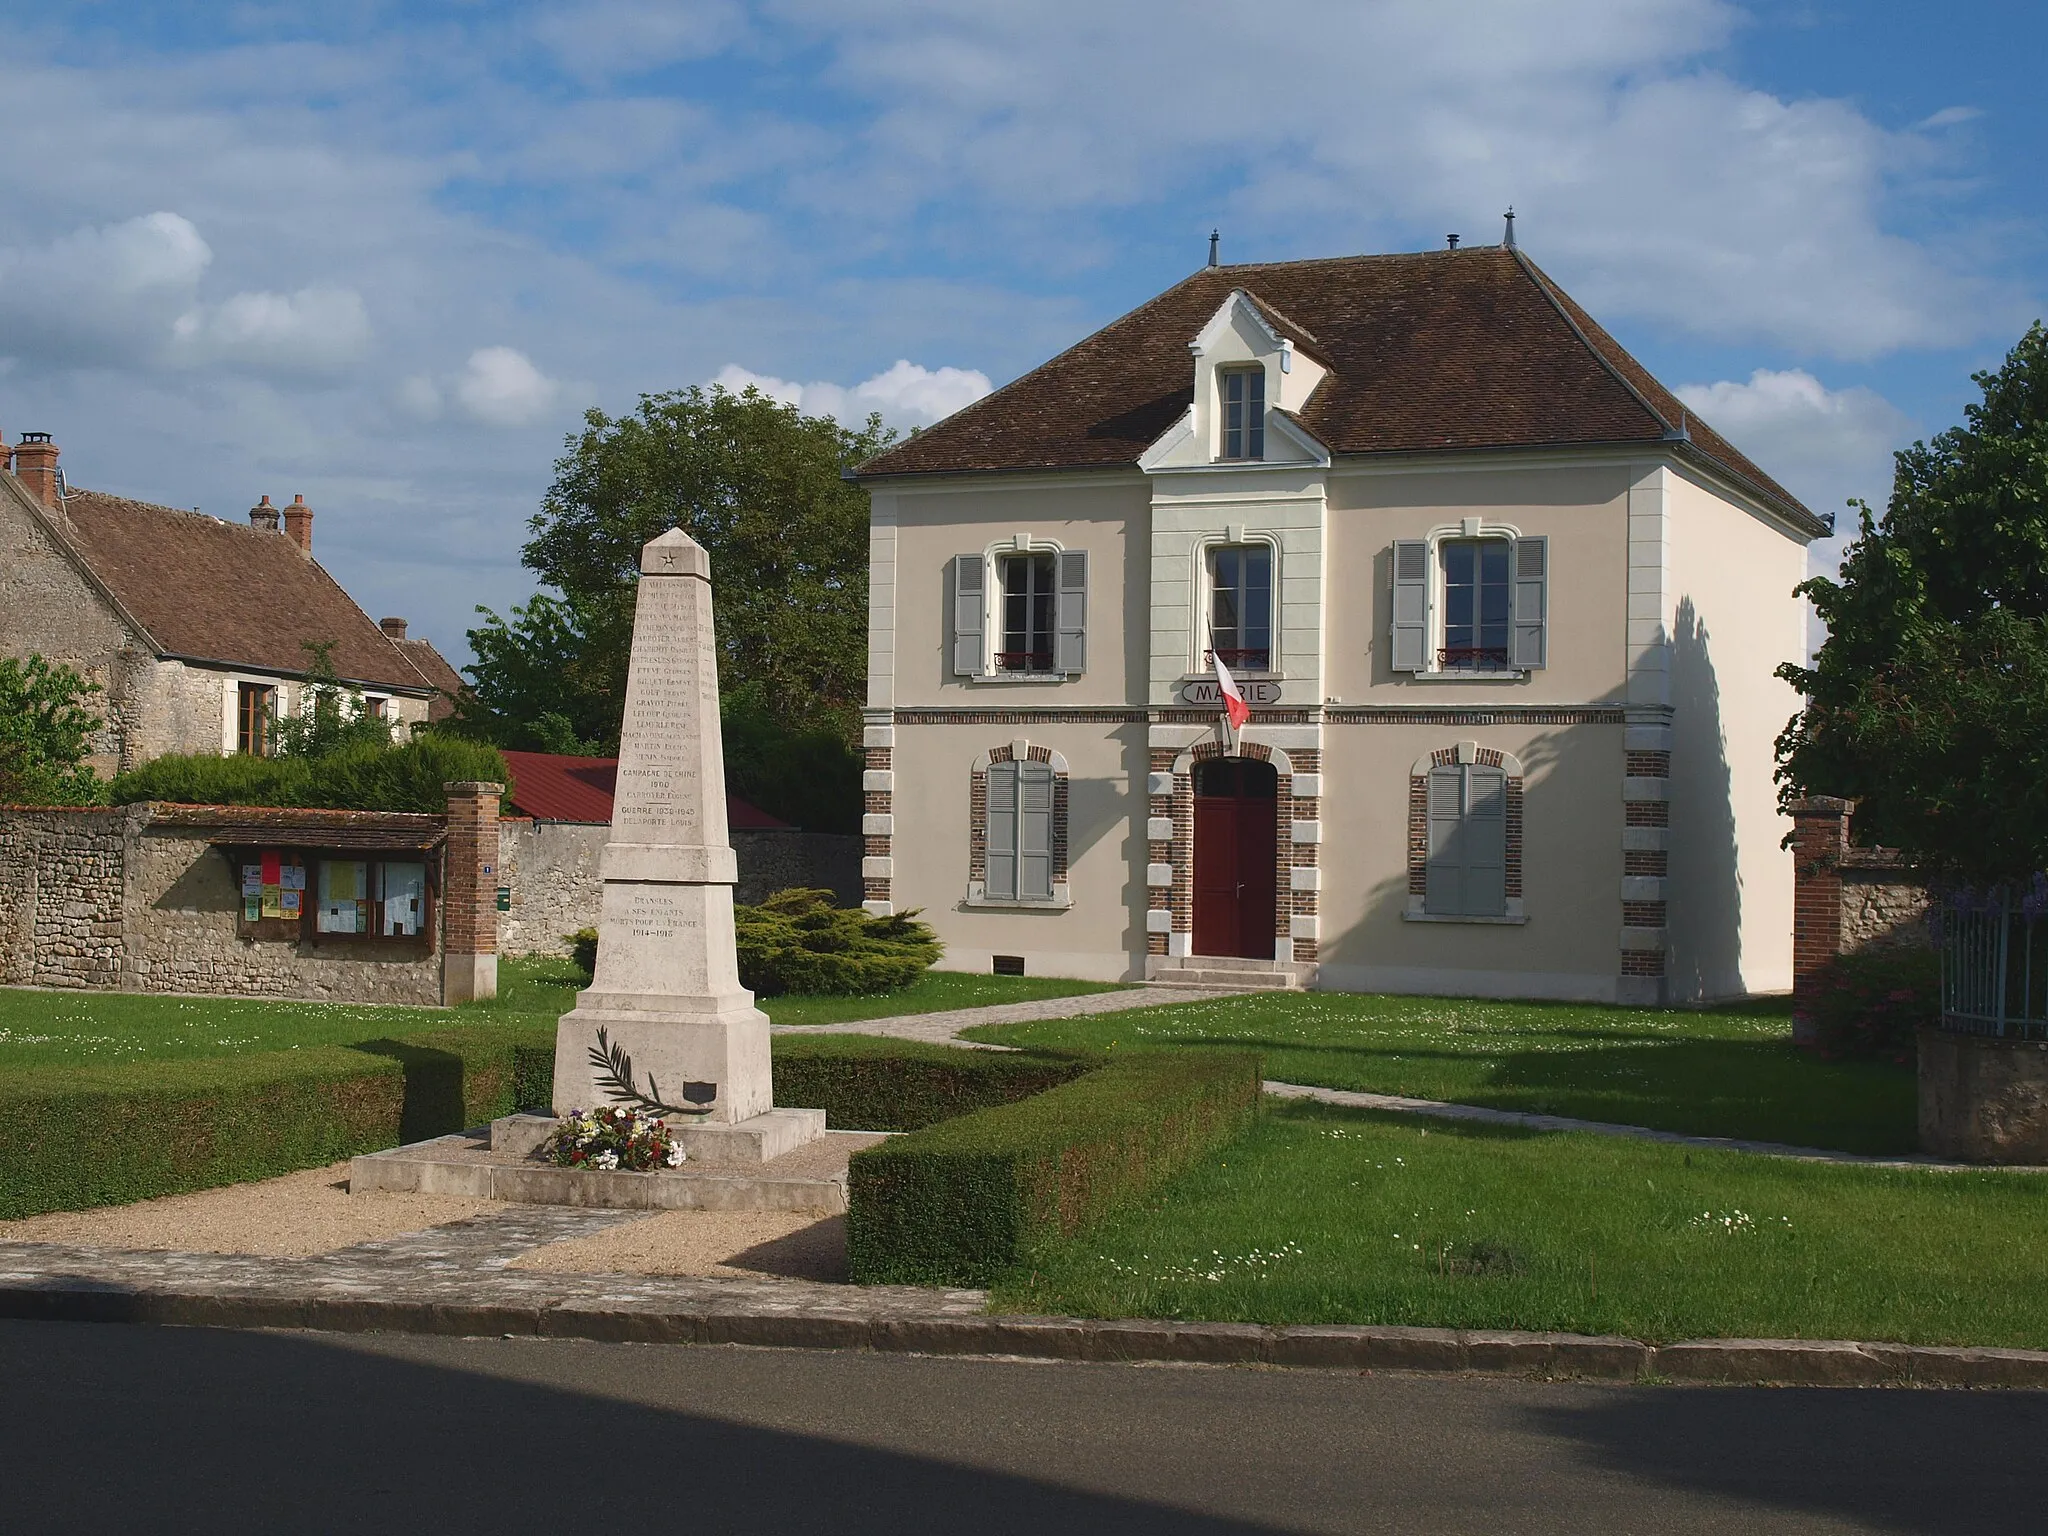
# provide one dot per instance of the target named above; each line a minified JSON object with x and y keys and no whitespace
{"x":439,"y":673}
{"x":1468,"y":349}
{"x":217,"y":591}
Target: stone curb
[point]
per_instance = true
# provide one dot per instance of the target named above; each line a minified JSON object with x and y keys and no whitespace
{"x":1733,"y":1362}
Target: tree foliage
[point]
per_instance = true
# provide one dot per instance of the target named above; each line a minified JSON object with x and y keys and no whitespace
{"x":331,"y":715}
{"x":46,"y":725}
{"x":1928,"y":704}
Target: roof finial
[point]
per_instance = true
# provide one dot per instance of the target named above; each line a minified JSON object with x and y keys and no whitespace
{"x":1215,"y":240}
{"x":1508,"y":239}
{"x":1450,"y":242}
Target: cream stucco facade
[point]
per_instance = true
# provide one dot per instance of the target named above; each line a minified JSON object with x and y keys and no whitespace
{"x":1643,"y":859}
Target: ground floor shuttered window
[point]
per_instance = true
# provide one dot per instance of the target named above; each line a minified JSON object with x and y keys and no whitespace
{"x":1467,"y":871}
{"x":1020,"y":840}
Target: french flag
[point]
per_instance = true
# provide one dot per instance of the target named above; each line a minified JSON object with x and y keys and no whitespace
{"x":1233,"y":702}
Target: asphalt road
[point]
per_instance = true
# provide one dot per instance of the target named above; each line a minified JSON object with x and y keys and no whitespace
{"x":136,"y":1429}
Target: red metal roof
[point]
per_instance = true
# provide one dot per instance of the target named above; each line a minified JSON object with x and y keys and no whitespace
{"x":549,"y":787}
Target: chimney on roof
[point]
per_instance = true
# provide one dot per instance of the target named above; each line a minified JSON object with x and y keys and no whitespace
{"x":35,"y":465}
{"x":1215,"y":243}
{"x":1508,"y":239}
{"x":395,"y":628}
{"x":263,"y":515}
{"x":298,"y":525}
{"x":1451,"y":242}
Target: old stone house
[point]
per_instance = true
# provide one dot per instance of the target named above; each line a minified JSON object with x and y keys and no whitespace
{"x":195,"y":628}
{"x":1506,"y":613}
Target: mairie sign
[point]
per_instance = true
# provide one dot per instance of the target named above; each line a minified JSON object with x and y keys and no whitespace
{"x":1206,"y":691}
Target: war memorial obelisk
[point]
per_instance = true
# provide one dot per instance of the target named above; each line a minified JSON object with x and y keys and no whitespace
{"x":665,"y":997}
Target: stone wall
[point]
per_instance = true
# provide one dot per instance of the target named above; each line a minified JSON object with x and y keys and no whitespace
{"x":552,"y":871}
{"x":1845,"y":899}
{"x":109,"y":900}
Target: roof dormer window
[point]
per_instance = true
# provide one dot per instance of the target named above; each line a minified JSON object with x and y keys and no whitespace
{"x":1244,"y":412}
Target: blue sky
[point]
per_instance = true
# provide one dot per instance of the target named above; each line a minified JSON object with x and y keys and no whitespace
{"x":384,"y":255}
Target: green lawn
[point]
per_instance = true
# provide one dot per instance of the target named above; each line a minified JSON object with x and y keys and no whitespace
{"x":1332,"y":1216}
{"x":1717,"y":1072}
{"x":49,"y":1028}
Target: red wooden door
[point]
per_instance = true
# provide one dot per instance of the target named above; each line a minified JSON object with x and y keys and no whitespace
{"x":1235,"y":805}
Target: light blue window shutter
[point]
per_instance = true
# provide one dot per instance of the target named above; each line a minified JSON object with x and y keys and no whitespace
{"x":1411,"y":606}
{"x":1034,"y":832}
{"x":1444,"y":892}
{"x":1532,"y":601}
{"x":1000,"y":877}
{"x":970,"y":614}
{"x":1485,"y":839}
{"x":1070,"y":645}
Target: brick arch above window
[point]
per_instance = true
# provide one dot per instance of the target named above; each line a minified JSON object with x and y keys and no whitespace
{"x":1028,"y":830}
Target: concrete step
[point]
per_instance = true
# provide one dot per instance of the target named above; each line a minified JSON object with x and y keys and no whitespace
{"x":1267,"y":981}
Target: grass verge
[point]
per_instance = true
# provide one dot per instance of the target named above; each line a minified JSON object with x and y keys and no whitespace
{"x":1715,"y":1072}
{"x":1321,"y":1215}
{"x":953,"y":1204}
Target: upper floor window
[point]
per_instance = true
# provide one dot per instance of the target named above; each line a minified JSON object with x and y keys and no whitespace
{"x":1021,"y":614}
{"x":1027,"y":599}
{"x":255,"y":717}
{"x":1477,"y":600}
{"x":1241,"y":606}
{"x":1470,"y":605}
{"x":375,"y":708}
{"x":1244,"y":413}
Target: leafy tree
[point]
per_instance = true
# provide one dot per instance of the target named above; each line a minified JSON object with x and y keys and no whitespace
{"x":544,"y":682}
{"x":1928,"y":704}
{"x":46,"y":726}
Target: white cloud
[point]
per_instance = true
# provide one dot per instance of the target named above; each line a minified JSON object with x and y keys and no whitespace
{"x":906,"y":394}
{"x":1824,"y":445}
{"x":1948,"y":117}
{"x":315,"y":330}
{"x":500,"y":387}
{"x":606,"y":38}
{"x":103,"y":293}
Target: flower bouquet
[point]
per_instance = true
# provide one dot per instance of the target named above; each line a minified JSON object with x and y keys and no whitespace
{"x":612,"y":1138}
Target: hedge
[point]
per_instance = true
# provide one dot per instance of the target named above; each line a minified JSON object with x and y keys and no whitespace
{"x":73,"y":1137}
{"x":959,"y":1202}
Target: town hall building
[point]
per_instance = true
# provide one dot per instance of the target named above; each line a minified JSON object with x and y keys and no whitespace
{"x":1507,"y":615}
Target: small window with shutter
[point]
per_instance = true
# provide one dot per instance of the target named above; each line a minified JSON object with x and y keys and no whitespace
{"x":1039,"y":612}
{"x":1481,"y":605}
{"x":1467,"y":870}
{"x":1019,"y":850}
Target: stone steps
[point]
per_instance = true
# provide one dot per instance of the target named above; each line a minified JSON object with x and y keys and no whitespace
{"x":1204,"y":976}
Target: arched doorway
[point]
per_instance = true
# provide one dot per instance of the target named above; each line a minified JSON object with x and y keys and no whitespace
{"x":1236,"y":805}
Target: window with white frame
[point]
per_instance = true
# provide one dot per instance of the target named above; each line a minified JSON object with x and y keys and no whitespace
{"x":1470,"y":605}
{"x":1020,"y":613}
{"x":1244,"y":412}
{"x":1241,"y":607}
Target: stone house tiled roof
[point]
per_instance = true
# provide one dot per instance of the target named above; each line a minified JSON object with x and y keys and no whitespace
{"x":1444,"y":350}
{"x":230,"y":594}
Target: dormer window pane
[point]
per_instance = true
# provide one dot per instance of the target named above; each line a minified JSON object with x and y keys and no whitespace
{"x":1244,"y":413}
{"x":1241,"y":607}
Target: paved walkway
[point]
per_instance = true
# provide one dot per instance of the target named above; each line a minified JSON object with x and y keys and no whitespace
{"x":944,"y":1028}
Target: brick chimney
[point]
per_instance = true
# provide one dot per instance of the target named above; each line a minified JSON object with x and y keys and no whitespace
{"x":395,"y":628}
{"x":35,"y":465}
{"x":298,"y":524}
{"x":263,"y":515}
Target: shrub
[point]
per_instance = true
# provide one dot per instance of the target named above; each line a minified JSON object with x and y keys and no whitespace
{"x":1871,"y":1004}
{"x":797,"y":941}
{"x":583,"y":950}
{"x":359,"y":776}
{"x":959,"y":1202}
{"x":73,"y":1137}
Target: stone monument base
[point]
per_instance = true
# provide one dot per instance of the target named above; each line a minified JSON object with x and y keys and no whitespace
{"x":760,"y":1139}
{"x":704,"y":1065}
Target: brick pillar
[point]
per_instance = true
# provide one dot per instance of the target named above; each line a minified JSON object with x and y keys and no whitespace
{"x":1820,"y":833}
{"x":469,"y":894}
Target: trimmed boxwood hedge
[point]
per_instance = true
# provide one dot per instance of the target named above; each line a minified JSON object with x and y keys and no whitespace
{"x":73,"y":1137}
{"x":959,"y":1202}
